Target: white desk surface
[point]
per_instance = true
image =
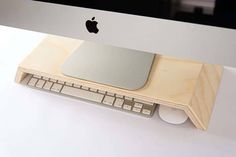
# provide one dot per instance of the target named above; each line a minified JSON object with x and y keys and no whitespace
{"x":34,"y":123}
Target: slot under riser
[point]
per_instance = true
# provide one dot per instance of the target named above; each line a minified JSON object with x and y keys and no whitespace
{"x":97,"y":96}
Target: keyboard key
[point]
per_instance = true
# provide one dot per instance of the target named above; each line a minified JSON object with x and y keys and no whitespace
{"x":128,"y":102}
{"x":32,"y":82}
{"x":128,"y":98}
{"x":138,"y":105}
{"x":61,"y":82}
{"x":37,"y":76}
{"x":53,"y":80}
{"x":101,"y":91}
{"x":108,"y":100}
{"x":144,"y":102}
{"x":69,"y":84}
{"x":79,"y":93}
{"x":119,"y":96}
{"x":56,"y":87}
{"x":40,"y":84}
{"x":146,"y":111}
{"x":47,"y":85}
{"x":110,"y":94}
{"x":26,"y":79}
{"x":93,"y":90}
{"x":85,"y":88}
{"x":119,"y":102}
{"x":77,"y":86}
{"x":127,"y":107}
{"x":46,"y":78}
{"x":138,"y":110}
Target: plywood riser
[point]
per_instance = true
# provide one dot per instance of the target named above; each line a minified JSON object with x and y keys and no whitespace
{"x":187,"y":85}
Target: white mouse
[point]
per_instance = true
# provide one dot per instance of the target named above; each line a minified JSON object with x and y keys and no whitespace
{"x":172,"y":115}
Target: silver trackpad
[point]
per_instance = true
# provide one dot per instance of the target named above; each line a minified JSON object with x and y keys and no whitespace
{"x":118,"y":67}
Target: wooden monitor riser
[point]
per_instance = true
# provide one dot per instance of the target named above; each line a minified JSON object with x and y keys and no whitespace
{"x":187,"y":85}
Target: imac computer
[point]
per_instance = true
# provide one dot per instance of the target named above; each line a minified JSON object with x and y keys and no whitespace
{"x":125,"y":35}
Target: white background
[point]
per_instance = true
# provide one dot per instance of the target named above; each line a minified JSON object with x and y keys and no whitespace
{"x":35,"y":123}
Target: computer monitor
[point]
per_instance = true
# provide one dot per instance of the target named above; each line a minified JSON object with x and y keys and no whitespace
{"x":194,"y":29}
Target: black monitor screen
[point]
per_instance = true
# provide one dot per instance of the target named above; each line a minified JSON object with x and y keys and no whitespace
{"x":221,"y":13}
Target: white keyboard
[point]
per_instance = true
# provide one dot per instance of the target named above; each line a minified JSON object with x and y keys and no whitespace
{"x":95,"y":95}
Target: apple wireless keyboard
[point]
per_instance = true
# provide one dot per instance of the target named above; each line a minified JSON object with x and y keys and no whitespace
{"x":113,"y":100}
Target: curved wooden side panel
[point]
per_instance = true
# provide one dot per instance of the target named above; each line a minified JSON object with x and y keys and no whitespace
{"x":203,"y":100}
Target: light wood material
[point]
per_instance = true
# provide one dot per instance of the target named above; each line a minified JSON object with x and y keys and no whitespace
{"x":183,"y":84}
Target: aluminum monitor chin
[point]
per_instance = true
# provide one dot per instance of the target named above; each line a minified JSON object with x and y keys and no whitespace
{"x":192,"y":29}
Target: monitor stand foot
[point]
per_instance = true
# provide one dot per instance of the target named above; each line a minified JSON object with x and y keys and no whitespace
{"x":109,"y":65}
